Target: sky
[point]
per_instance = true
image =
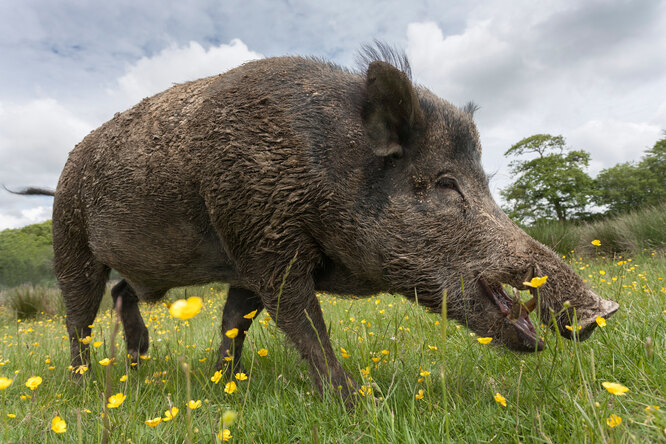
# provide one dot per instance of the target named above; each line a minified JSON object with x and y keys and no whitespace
{"x":591,"y":71}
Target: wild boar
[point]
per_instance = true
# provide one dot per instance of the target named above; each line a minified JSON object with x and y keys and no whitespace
{"x":356,"y":182}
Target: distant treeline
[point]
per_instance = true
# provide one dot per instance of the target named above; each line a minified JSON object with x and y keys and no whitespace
{"x":26,"y":255}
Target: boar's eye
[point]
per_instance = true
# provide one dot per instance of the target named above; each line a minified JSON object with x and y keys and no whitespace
{"x":447,"y":183}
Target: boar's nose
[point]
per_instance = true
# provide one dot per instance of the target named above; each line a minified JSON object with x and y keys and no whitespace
{"x":587,"y":318}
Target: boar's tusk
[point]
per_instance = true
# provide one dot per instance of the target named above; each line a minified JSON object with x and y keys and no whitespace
{"x":514,"y":314}
{"x":529,"y":275}
{"x":531,"y":305}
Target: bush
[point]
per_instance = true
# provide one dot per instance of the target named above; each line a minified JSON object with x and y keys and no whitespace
{"x":634,"y":232}
{"x":28,"y":301}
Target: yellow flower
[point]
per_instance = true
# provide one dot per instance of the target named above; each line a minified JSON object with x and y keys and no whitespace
{"x":251,"y":314}
{"x":216,"y":377}
{"x":5,"y":382}
{"x":230,"y":387}
{"x":385,"y":352}
{"x":86,"y":340}
{"x":123,"y":378}
{"x":105,"y":362}
{"x":228,"y":417}
{"x":153,"y":422}
{"x":186,"y":309}
{"x":97,"y":343}
{"x":432,"y":347}
{"x":651,"y":408}
{"x":262,"y":352}
{"x":570,"y":328}
{"x":536,"y":282}
{"x":344,"y":353}
{"x":115,"y":400}
{"x":193,"y":405}
{"x":601,"y":322}
{"x":224,"y":435}
{"x":241,"y":376}
{"x":419,"y":395}
{"x":58,"y":425}
{"x":615,"y":388}
{"x":613,"y":420}
{"x":596,"y":242}
{"x":484,"y":341}
{"x":500,"y":399}
{"x":170,"y":414}
{"x":33,"y":382}
{"x":231,"y":333}
{"x":11,"y":415}
{"x":425,"y":373}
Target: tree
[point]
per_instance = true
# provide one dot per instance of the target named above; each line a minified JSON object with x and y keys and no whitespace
{"x":627,"y":186}
{"x":552,"y":185}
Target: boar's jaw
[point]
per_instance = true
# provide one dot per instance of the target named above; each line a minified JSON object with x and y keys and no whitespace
{"x":515,"y":329}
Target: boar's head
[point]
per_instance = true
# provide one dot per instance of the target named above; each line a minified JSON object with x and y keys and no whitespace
{"x":437,"y":230}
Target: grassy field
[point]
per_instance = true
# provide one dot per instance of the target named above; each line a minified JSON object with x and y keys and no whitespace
{"x":433,"y":381}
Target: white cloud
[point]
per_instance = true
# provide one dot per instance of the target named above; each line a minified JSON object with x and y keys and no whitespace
{"x":175,"y":64}
{"x":611,"y":141}
{"x":25,"y":217}
{"x":36,"y":136}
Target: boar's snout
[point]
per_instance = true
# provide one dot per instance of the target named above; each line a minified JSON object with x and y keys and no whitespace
{"x":586,"y":318}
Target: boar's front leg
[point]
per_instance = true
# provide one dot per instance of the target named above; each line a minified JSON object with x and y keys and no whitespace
{"x":240,"y":303}
{"x":297,"y":312}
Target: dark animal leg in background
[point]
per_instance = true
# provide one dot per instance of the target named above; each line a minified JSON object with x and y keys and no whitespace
{"x":82,"y":293}
{"x":136,"y":333}
{"x":240,"y":302}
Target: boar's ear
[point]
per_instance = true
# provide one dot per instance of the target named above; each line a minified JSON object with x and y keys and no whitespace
{"x":392,"y":111}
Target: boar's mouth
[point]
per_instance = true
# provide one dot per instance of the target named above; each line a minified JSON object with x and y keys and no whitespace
{"x":516,"y":330}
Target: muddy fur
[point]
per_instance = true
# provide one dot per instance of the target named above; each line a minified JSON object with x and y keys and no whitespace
{"x":360,"y":182}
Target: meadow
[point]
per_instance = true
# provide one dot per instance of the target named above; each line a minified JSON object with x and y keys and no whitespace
{"x":424,"y":378}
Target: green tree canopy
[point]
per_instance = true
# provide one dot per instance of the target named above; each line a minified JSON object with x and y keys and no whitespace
{"x":627,"y":186}
{"x":553,"y":185}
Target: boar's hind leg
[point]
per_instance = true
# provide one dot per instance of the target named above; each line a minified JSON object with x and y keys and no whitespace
{"x":299,"y":316}
{"x":240,"y":302}
{"x":82,"y":293}
{"x":136,"y":333}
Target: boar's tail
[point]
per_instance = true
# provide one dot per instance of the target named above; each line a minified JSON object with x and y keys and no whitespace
{"x":32,"y":191}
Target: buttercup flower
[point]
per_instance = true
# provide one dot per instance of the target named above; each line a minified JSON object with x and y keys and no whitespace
{"x":153,"y":422}
{"x":216,"y":377}
{"x":170,"y":414}
{"x":228,"y":417}
{"x":224,"y":435}
{"x":615,"y":388}
{"x":186,"y":309}
{"x":596,"y":242}
{"x":419,"y":395}
{"x":262,"y":352}
{"x":500,"y":399}
{"x":241,"y":376}
{"x":193,"y":405}
{"x":613,"y":420}
{"x":230,"y":387}
{"x":536,"y":282}
{"x":58,"y":425}
{"x":33,"y":382}
{"x":5,"y":382}
{"x":105,"y":362}
{"x":484,"y":340}
{"x":231,"y":333}
{"x":115,"y":400}
{"x":251,"y":314}
{"x":601,"y":322}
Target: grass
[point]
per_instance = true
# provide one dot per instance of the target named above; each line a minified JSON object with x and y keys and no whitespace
{"x":554,"y":396}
